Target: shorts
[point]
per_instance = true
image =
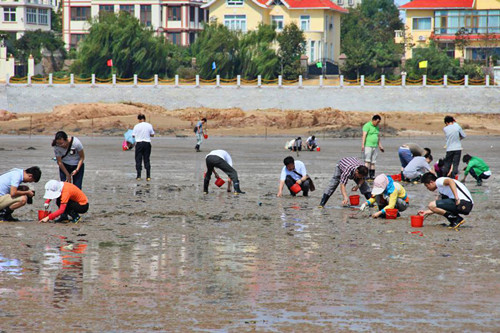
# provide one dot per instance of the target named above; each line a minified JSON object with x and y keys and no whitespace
{"x":405,"y":156}
{"x":371,"y":155}
{"x":6,"y":200}
{"x":449,"y":205}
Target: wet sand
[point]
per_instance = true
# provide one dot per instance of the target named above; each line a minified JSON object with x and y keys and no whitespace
{"x":161,"y":256}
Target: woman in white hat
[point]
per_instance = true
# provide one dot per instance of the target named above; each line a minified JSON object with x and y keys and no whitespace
{"x":388,"y":195}
{"x":70,"y":200}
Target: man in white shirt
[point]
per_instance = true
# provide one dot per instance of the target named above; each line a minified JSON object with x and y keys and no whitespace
{"x":12,"y":196}
{"x":294,"y":172}
{"x":221,"y":159}
{"x":455,"y":199}
{"x":142,"y":133}
{"x":417,"y":167}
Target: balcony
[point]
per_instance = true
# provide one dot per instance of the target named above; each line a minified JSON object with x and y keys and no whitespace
{"x":37,"y":3}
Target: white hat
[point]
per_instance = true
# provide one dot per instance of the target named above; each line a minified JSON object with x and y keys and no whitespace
{"x":379,"y":184}
{"x":53,"y":189}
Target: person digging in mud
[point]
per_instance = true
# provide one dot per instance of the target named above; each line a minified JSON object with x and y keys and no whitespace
{"x":70,"y":199}
{"x":417,"y":167}
{"x":477,"y":168}
{"x":222,"y":160}
{"x":455,"y":199}
{"x":347,"y":168}
{"x":13,"y":195}
{"x":294,"y":172}
{"x":387,"y":194}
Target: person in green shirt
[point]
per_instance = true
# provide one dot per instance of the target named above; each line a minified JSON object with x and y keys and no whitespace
{"x":369,"y":144}
{"x":477,"y":169}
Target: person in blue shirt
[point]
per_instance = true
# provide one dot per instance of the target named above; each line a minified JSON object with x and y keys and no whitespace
{"x":12,"y":196}
{"x":294,"y":172}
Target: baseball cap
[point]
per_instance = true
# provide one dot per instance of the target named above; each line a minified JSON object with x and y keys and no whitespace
{"x":53,"y":189}
{"x":379,"y":184}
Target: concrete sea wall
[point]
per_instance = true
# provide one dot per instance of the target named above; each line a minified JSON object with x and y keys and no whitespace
{"x":458,"y":99}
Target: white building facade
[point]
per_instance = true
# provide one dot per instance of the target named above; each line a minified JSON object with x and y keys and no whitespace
{"x":19,"y":16}
{"x":179,"y":21}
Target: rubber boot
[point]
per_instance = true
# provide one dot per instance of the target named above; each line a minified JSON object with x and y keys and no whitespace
{"x":237,"y":189}
{"x":197,"y":147}
{"x":372,"y":174}
{"x":324,"y":200}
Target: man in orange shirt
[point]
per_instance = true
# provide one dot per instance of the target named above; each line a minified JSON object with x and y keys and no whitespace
{"x":70,"y":200}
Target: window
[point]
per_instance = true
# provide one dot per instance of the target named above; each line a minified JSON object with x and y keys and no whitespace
{"x":106,"y":9}
{"x":201,"y":12}
{"x":311,"y":53}
{"x":128,"y":8}
{"x":475,"y":21}
{"x":234,"y":2}
{"x":146,"y":15}
{"x":43,"y":17}
{"x":340,"y":2}
{"x":174,"y":13}
{"x":31,"y":15}
{"x":422,"y":23}
{"x":350,"y":2}
{"x":9,"y":14}
{"x":305,"y":22}
{"x":192,"y":14}
{"x":174,"y":38}
{"x":75,"y":39}
{"x":278,"y":22}
{"x":80,"y":13}
{"x":236,"y":22}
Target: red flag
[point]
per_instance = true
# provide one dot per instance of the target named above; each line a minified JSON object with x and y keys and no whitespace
{"x":110,"y":63}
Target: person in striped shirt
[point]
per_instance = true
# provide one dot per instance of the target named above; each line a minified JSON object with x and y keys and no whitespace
{"x":347,"y":168}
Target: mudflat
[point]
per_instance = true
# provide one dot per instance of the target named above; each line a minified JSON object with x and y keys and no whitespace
{"x":161,"y":256}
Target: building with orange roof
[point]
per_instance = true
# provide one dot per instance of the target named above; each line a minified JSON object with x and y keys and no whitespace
{"x":464,"y":28}
{"x":319,"y":20}
{"x":178,"y":20}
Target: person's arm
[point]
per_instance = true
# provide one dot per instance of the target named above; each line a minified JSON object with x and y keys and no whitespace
{"x":14,"y":192}
{"x":363,"y":139}
{"x":63,"y":168}
{"x":280,"y":189}
{"x":425,"y":213}
{"x":380,"y":144}
{"x":461,"y":133}
{"x":80,"y":162}
{"x":392,"y":203}
{"x":152,"y":132}
{"x":453,"y":187}
{"x":345,"y":199}
{"x":54,"y":215}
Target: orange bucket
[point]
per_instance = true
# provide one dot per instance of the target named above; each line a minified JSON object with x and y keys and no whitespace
{"x":354,"y":199}
{"x":318,"y":149}
{"x":42,"y":214}
{"x":205,"y":136}
{"x":219,"y":182}
{"x":296,"y":188}
{"x":396,"y":177}
{"x":417,"y":221}
{"x":391,"y":214}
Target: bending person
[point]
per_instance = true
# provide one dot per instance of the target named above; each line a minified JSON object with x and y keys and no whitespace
{"x":12,"y":195}
{"x":387,"y":194}
{"x":347,"y":168}
{"x":70,"y":200}
{"x":70,"y":157}
{"x":417,"y":167}
{"x":294,"y":172}
{"x":477,"y":168}
{"x":222,"y":160}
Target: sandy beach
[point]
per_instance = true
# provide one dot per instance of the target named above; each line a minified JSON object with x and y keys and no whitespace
{"x":161,"y":256}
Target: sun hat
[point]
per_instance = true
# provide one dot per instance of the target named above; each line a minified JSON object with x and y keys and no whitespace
{"x":379,"y":184}
{"x":53,"y":189}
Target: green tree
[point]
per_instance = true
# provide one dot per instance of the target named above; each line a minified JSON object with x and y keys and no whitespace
{"x":291,"y":46}
{"x":217,"y":44}
{"x":56,"y":21}
{"x":31,"y":43}
{"x":132,"y":46}
{"x":257,"y":54}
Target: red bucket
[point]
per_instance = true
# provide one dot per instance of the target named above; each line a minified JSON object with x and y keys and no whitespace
{"x":318,"y":149}
{"x":219,"y":182}
{"x":42,"y":214}
{"x":396,"y":177}
{"x":205,"y":136}
{"x":296,"y":188}
{"x":391,"y":214}
{"x":354,"y":199}
{"x":456,"y":177}
{"x":417,"y":221}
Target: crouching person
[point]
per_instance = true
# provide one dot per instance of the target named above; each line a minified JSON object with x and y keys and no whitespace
{"x":455,"y":199}
{"x":347,"y":168}
{"x":294,"y":172}
{"x":222,"y":160}
{"x":70,"y":200}
{"x":387,"y":194}
{"x":13,"y":195}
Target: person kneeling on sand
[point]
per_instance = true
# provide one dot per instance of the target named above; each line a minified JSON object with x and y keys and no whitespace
{"x":455,"y":199}
{"x":294,"y":172}
{"x":70,"y":200}
{"x":12,"y":194}
{"x":311,"y":143}
{"x":347,"y":168}
{"x":388,"y":194}
{"x":477,"y":169}
{"x":417,"y":167}
{"x":221,"y":159}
